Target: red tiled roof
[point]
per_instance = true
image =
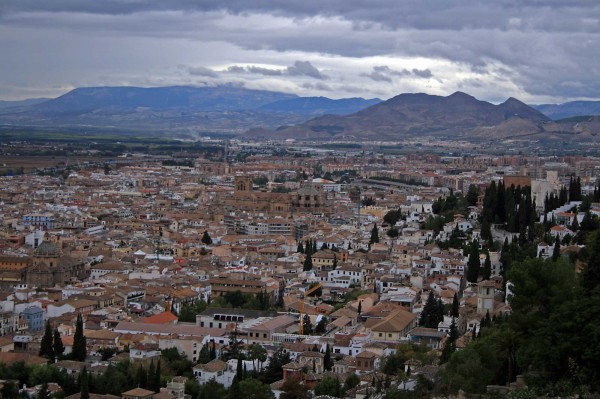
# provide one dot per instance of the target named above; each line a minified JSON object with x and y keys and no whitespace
{"x":161,"y":318}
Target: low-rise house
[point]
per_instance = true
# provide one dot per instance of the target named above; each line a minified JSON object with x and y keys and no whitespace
{"x":215,"y":369}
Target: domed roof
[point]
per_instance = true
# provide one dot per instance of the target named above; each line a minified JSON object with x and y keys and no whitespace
{"x":46,"y":248}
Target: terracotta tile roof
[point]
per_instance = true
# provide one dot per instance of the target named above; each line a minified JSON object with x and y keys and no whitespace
{"x":161,"y":318}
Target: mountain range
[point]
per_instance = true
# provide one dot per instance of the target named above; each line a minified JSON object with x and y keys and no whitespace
{"x":260,"y":114}
{"x":175,"y":109}
{"x":458,"y":116}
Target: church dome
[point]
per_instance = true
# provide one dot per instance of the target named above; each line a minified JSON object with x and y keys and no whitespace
{"x":46,"y":248}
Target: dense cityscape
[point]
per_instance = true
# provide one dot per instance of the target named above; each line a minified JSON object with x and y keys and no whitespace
{"x":290,"y":270}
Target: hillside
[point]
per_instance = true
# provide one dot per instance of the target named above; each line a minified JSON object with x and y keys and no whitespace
{"x":569,"y":109}
{"x":221,"y":109}
{"x":410,"y":115}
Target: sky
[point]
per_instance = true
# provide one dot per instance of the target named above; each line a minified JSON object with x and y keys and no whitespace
{"x":536,"y":51}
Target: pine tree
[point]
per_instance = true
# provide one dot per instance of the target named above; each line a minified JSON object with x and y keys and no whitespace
{"x":46,"y":349}
{"x":455,"y":306}
{"x":487,"y":268}
{"x":57,"y":344}
{"x":79,"y":351}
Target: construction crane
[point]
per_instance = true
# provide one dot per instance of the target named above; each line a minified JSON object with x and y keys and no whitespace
{"x":310,"y":291}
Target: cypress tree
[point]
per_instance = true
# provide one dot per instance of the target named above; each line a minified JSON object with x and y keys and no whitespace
{"x":374,"y":235}
{"x":79,"y":351}
{"x":57,"y":344}
{"x":234,"y":390}
{"x":473,"y":264}
{"x":308,"y":264}
{"x":335,"y":262}
{"x":156,"y":380}
{"x":556,"y":251}
{"x":454,"y":312}
{"x":84,"y":386}
{"x":213,"y":352}
{"x":327,"y":359}
{"x":487,"y":268}
{"x":239,"y":371}
{"x":46,"y":349}
{"x":150,"y":377}
{"x":300,"y":248}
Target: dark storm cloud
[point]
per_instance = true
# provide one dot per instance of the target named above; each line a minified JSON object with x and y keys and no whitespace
{"x":300,"y":68}
{"x":304,"y":68}
{"x":202,"y":71}
{"x":383,"y":73}
{"x":543,"y":48}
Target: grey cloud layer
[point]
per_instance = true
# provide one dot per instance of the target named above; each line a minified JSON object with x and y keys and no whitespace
{"x":545,"y":48}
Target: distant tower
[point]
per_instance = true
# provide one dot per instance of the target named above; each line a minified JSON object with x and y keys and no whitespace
{"x":243,"y":184}
{"x":485,"y":297}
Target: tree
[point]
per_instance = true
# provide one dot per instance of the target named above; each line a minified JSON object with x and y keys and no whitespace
{"x":43,"y":393}
{"x":293,"y":389}
{"x":300,"y":248}
{"x":234,"y":390}
{"x":374,"y":235}
{"x":393,"y":232}
{"x":79,"y":351}
{"x":329,"y":385}
{"x":487,"y":268}
{"x":321,"y":325}
{"x":239,"y":370}
{"x":84,"y":386}
{"x":335,"y":262}
{"x":556,"y":250}
{"x":307,"y":325}
{"x":473,"y":264}
{"x":57,"y":344}
{"x":327,"y":362}
{"x":450,"y":346}
{"x":206,"y":240}
{"x":156,"y":383}
{"x":351,"y":381}
{"x":308,"y":264}
{"x":255,"y":389}
{"x":273,"y":371}
{"x":455,"y":306}
{"x":257,"y":353}
{"x":359,"y":307}
{"x":590,"y":278}
{"x":472,"y":195}
{"x":429,"y":316}
{"x":204,"y":356}
{"x":46,"y":348}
